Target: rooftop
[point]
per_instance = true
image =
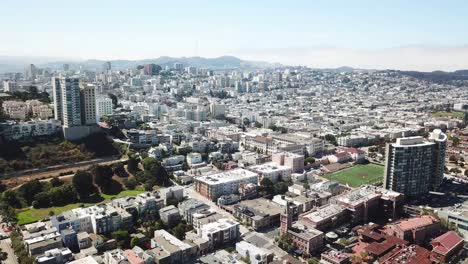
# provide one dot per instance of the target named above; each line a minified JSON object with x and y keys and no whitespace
{"x":323,"y":213}
{"x":227,"y":176}
{"x":446,"y":242}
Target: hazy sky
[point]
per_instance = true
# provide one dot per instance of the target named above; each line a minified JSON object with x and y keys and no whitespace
{"x":415,"y":34}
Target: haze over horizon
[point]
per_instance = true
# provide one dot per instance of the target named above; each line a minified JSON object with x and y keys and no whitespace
{"x":417,"y":35}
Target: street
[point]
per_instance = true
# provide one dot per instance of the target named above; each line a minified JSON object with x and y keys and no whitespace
{"x":5,"y":245}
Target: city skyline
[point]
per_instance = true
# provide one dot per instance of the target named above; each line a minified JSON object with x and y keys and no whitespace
{"x":323,"y":34}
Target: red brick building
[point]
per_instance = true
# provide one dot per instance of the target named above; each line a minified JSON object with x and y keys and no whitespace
{"x":416,"y":230}
{"x":445,"y":247}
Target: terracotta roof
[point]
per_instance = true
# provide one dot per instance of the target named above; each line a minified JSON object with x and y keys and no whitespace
{"x":263,"y":140}
{"x":417,"y":222}
{"x":390,"y":242}
{"x":407,"y":254}
{"x":353,"y":150}
{"x":446,"y":242}
{"x":342,"y":155}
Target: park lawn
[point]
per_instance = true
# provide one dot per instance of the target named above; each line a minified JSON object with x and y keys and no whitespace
{"x":358,"y":175}
{"x":29,"y":215}
{"x":449,"y":114}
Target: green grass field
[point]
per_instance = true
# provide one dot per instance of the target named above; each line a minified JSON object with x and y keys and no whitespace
{"x":30,"y":215}
{"x":449,"y":114}
{"x":358,"y":175}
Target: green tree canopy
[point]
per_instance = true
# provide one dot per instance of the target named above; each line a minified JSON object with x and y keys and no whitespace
{"x":83,"y":183}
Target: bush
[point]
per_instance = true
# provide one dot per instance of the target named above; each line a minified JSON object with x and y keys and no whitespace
{"x":130,"y":184}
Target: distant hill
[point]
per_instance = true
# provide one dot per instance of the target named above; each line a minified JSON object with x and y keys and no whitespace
{"x":438,"y":76}
{"x":223,"y":62}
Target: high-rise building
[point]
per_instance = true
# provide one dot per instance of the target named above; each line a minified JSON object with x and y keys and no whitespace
{"x":67,"y":100}
{"x":440,"y":141}
{"x":414,"y":165}
{"x":104,"y":107}
{"x":88,"y":104}
{"x":57,"y":94}
{"x":151,"y":69}
{"x":178,"y":66}
{"x":106,"y":66}
{"x":31,"y":72}
{"x":9,"y":86}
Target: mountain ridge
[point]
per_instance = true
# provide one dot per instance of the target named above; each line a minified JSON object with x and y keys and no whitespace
{"x":12,"y":63}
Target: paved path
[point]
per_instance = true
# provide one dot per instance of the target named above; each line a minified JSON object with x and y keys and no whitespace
{"x":5,"y":244}
{"x":51,"y":172}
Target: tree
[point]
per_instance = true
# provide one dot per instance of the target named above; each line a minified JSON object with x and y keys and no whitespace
{"x":11,"y":198}
{"x":266,"y":186}
{"x":122,"y":237}
{"x":331,"y":138}
{"x":42,"y":199}
{"x":55,"y":182}
{"x":156,"y":171}
{"x":246,"y":121}
{"x":83,"y":183}
{"x":29,"y":189}
{"x":134,"y":242}
{"x":63,"y":195}
{"x":114,"y":99}
{"x":132,"y":164}
{"x":281,"y":188}
{"x":179,"y":231}
{"x":130,"y":183}
{"x":309,"y":160}
{"x":285,"y":243}
{"x":3,"y":187}
{"x":103,"y":175}
{"x":306,"y":185}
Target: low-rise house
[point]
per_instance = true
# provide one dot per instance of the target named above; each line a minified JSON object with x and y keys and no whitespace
{"x":253,"y":253}
{"x":220,"y":232}
{"x":167,"y":249}
{"x":259,"y":213}
{"x":334,"y":257}
{"x":170,"y":215}
{"x":189,"y":207}
{"x":84,"y":240}
{"x":446,"y":247}
{"x":55,"y":256}
{"x":272,"y":171}
{"x":174,"y":193}
{"x":194,"y":158}
{"x":115,"y":256}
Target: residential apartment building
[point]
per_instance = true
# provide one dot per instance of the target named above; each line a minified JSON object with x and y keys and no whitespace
{"x":167,"y":249}
{"x":224,"y":183}
{"x":88,"y":104}
{"x":414,"y":166}
{"x":28,"y":129}
{"x":220,"y":232}
{"x":104,"y":107}
{"x":272,"y":171}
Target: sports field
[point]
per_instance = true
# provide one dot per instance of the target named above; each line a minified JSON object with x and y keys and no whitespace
{"x":449,"y":114}
{"x":358,"y":175}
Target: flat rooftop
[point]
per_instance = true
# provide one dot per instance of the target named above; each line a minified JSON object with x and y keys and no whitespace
{"x":323,"y":213}
{"x":227,"y":176}
{"x":269,"y":167}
